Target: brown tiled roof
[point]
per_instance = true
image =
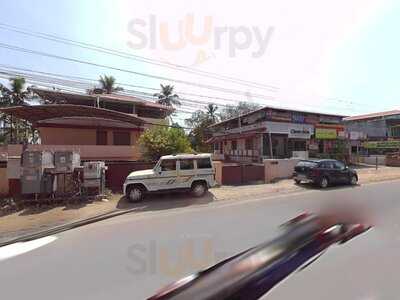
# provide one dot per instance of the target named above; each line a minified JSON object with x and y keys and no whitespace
{"x":60,"y":96}
{"x":37,"y":113}
{"x":373,"y":115}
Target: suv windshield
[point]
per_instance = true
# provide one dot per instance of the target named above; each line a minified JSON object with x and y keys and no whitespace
{"x":168,"y":165}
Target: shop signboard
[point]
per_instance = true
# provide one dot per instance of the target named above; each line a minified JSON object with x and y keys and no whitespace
{"x":356,"y":135}
{"x":296,"y":131}
{"x":300,"y":133}
{"x":298,"y":118}
{"x":382,"y":145}
{"x":326,"y":133}
{"x":311,"y":119}
{"x":329,"y":119}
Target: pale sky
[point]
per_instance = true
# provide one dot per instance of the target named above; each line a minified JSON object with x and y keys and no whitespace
{"x":330,"y":56}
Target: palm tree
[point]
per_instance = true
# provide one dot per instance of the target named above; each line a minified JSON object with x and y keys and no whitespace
{"x":16,"y":94}
{"x":107,"y":84}
{"x":211,"y":110}
{"x":13,"y":96}
{"x":167,"y":97}
{"x":18,"y":90}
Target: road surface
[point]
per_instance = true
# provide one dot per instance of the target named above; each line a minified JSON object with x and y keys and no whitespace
{"x":132,"y":256}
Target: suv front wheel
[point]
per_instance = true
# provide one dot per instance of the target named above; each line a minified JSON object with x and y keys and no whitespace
{"x":324,"y":182}
{"x":199,"y":189}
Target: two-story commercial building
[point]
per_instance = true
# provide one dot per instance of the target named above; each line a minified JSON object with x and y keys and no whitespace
{"x":375,"y":133}
{"x":272,"y":132}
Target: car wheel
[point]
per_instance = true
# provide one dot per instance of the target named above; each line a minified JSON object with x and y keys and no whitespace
{"x":135,"y":194}
{"x":297,"y":181}
{"x":199,"y":189}
{"x":353,"y":180}
{"x":324,"y":183}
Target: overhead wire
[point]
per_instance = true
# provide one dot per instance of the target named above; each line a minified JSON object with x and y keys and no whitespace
{"x":89,"y":46}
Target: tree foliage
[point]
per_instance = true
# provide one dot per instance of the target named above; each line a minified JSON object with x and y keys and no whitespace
{"x":167,"y":97}
{"x":108,"y":84}
{"x":199,"y":122}
{"x":15,"y":131}
{"x":212,"y":112}
{"x":159,"y":141}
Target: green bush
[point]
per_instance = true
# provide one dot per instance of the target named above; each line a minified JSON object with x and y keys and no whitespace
{"x":159,"y":141}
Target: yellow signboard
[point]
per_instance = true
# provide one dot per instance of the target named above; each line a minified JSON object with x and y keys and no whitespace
{"x":325,"y":133}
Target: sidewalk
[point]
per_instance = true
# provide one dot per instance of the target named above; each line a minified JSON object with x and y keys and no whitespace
{"x":32,"y":220}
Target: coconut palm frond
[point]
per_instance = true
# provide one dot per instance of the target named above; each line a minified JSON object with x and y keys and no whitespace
{"x":167,"y":97}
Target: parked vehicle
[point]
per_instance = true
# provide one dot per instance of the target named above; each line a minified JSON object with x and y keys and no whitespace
{"x":191,"y":172}
{"x":324,"y":172}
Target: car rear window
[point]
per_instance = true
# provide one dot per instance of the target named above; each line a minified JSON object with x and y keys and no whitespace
{"x":204,"y":163}
{"x":309,"y":164}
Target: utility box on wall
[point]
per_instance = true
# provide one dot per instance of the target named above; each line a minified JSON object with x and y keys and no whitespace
{"x":66,"y":161}
{"x":94,"y":176}
{"x":33,"y":177}
{"x":37,"y":159}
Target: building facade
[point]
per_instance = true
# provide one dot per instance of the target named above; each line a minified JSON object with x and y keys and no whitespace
{"x":99,"y":126}
{"x":276,"y":133}
{"x":376,"y":133}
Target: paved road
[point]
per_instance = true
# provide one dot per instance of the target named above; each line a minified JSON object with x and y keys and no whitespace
{"x":130,"y":257}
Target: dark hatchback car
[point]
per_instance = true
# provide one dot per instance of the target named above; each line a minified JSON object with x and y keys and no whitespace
{"x":324,"y":173}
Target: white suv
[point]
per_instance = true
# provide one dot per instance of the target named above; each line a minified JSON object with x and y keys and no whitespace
{"x":193,"y":172}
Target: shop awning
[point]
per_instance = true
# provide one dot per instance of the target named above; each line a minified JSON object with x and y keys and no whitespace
{"x":36,"y":113}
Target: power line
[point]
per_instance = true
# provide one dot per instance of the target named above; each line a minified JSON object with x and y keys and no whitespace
{"x":78,"y":84}
{"x":67,"y":86}
{"x":125,"y":84}
{"x":135,"y":93}
{"x":341,"y":101}
{"x":184,"y":109}
{"x":199,"y":85}
{"x":83,"y":85}
{"x":59,"y":39}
